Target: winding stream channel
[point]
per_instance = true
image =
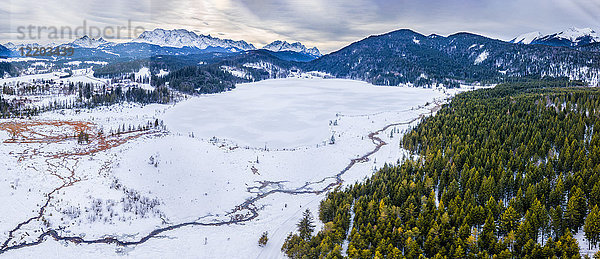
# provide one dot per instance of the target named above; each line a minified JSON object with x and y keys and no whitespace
{"x":243,"y":212}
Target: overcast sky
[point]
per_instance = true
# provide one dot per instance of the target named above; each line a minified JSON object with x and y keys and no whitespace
{"x":328,"y":25}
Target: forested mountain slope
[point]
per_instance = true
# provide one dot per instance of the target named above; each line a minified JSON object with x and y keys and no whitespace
{"x":223,"y":74}
{"x":405,"y":56}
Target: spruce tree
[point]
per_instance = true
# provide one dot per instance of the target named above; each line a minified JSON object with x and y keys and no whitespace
{"x":264,"y":238}
{"x":576,"y":209}
{"x":488,"y":235}
{"x":592,"y":227}
{"x":509,"y":220}
{"x":306,"y":225}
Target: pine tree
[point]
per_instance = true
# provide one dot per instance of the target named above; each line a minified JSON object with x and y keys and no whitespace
{"x":537,"y":217}
{"x":594,"y":198}
{"x":592,"y":227}
{"x":459,"y":252}
{"x":488,"y":235}
{"x":82,"y":137}
{"x":509,"y":220}
{"x":569,"y":247}
{"x":292,"y":246}
{"x":264,"y":238}
{"x":576,"y":209}
{"x":412,"y":249}
{"x":558,"y":221}
{"x":306,"y":225}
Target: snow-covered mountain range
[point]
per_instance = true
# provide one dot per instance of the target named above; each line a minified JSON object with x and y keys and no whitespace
{"x":184,"y":38}
{"x":572,"y":37}
{"x":278,"y":46}
{"x":83,"y":42}
{"x":180,"y":38}
{"x":527,"y":38}
{"x":16,"y":47}
{"x":87,"y":42}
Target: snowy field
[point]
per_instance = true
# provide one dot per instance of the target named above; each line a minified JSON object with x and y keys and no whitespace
{"x":230,"y":165}
{"x":79,"y":76}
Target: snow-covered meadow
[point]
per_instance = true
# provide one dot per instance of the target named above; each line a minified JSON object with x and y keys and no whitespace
{"x":283,"y":141}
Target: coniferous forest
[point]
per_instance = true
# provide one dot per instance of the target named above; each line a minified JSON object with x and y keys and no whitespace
{"x":507,"y":172}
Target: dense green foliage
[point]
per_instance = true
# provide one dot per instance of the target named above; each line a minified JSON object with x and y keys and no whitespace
{"x":8,"y":69}
{"x":4,"y":52}
{"x":199,"y":79}
{"x":594,"y":47}
{"x":212,"y":78}
{"x":510,"y":172}
{"x":204,"y":73}
{"x":124,"y":68}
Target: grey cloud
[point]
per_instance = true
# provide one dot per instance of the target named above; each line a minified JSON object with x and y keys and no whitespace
{"x":328,"y":25}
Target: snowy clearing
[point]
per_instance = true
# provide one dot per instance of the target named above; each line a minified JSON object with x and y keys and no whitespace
{"x":221,"y":170}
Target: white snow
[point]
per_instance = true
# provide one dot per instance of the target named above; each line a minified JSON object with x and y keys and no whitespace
{"x":26,"y":59}
{"x":102,"y":63}
{"x":31,"y":78}
{"x":162,"y":73}
{"x":267,"y":112}
{"x":259,"y":65}
{"x":184,"y":38}
{"x":79,"y":75}
{"x":278,"y":46}
{"x":573,"y":34}
{"x":482,"y":57}
{"x":236,"y":72}
{"x":147,"y":87}
{"x":144,"y":72}
{"x":220,"y":150}
{"x":527,"y":38}
{"x":311,"y":74}
{"x":87,"y":42}
{"x":583,"y":244}
{"x":73,"y":63}
{"x":111,"y":53}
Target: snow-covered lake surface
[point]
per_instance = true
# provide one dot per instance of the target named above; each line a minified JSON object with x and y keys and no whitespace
{"x":219,"y":151}
{"x":288,"y":113}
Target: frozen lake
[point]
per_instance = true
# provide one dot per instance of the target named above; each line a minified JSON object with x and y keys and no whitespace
{"x":287,"y":113}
